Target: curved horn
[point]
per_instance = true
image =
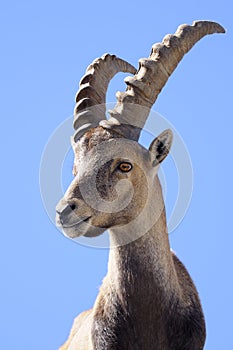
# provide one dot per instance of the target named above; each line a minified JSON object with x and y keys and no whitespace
{"x":133,"y":106}
{"x":90,"y":98}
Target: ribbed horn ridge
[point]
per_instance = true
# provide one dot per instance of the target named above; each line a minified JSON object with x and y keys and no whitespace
{"x":90,"y":98}
{"x":133,"y":106}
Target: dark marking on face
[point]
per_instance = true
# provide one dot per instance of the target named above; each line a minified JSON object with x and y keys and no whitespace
{"x":105,"y":181}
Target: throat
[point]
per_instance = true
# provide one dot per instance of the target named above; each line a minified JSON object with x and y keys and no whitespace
{"x":135,"y":294}
{"x":143,"y":267}
{"x":140,"y":253}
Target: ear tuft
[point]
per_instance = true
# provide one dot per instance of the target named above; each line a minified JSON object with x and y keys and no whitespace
{"x":160,"y":147}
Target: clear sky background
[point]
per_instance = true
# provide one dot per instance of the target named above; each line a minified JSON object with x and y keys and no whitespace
{"x":46,"y":279}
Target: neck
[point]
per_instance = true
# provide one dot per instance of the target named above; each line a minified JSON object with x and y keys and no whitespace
{"x":141,"y":281}
{"x":141,"y":304}
{"x":147,"y":259}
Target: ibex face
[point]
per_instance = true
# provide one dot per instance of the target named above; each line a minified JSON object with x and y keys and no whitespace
{"x":113,"y":177}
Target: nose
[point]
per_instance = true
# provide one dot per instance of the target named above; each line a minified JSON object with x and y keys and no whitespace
{"x":64,"y":209}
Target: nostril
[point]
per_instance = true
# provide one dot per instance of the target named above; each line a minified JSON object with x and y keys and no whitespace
{"x":72,"y":206}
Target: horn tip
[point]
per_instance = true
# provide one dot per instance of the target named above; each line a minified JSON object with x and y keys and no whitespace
{"x":216,"y":27}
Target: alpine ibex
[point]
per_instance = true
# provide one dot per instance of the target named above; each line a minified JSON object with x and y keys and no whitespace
{"x":147,"y":300}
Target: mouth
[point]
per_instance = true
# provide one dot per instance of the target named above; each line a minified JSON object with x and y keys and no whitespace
{"x":81,"y":227}
{"x":80,"y":221}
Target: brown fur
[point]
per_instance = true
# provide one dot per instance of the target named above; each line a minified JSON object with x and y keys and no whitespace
{"x":147,"y":300}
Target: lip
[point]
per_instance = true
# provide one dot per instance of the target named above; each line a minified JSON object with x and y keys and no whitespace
{"x":78,"y":222}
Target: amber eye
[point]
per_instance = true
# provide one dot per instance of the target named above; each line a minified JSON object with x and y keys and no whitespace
{"x":125,"y":167}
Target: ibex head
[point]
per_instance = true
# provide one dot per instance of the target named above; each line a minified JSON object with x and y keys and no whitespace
{"x":115,"y":177}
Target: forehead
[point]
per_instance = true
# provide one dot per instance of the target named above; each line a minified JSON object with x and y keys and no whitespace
{"x":100,"y":143}
{"x":94,"y":137}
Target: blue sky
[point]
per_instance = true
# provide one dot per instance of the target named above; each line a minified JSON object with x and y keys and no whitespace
{"x":46,"y":279}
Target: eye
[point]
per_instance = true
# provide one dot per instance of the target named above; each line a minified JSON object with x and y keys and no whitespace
{"x":125,"y":167}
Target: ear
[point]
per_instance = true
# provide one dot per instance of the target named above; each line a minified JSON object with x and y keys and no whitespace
{"x":160,"y":147}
